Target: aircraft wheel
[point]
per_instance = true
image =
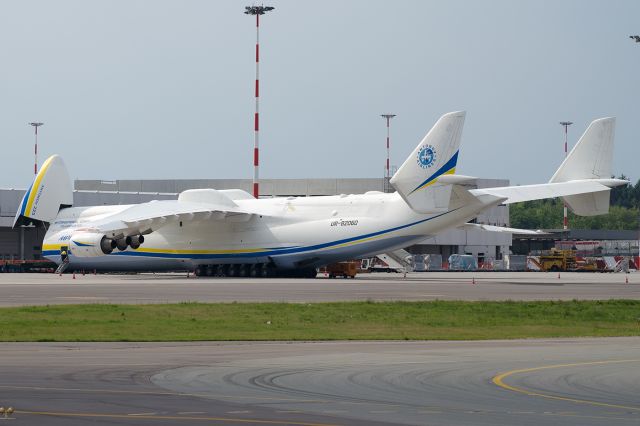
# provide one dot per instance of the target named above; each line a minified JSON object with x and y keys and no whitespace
{"x":199,"y":271}
{"x":268,"y":271}
{"x":232,"y":271}
{"x":220,"y":271}
{"x":242,"y":271}
{"x":254,"y":270}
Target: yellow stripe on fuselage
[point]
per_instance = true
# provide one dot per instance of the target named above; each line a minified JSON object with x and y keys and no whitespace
{"x":352,"y":243}
{"x":57,"y":246}
{"x":174,"y":251}
{"x":36,"y":186}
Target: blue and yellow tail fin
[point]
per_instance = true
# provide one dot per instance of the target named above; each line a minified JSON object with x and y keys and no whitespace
{"x":417,"y":180}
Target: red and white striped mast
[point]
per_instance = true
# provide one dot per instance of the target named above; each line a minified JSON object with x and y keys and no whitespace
{"x":388,"y":117}
{"x":35,"y":148}
{"x":565,"y":124}
{"x":257,"y":11}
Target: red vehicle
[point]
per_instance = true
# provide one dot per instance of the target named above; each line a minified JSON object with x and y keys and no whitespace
{"x":342,"y":269}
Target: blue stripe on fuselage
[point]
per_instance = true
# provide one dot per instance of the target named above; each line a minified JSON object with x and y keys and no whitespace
{"x":265,"y":253}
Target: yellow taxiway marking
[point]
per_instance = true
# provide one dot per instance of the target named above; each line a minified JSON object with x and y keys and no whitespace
{"x":180,"y":418}
{"x":498,"y":380}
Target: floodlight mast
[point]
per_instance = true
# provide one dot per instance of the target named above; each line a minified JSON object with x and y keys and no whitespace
{"x":257,"y":11}
{"x":565,"y":124}
{"x":637,"y":40}
{"x":35,"y":148}
{"x":387,"y":187}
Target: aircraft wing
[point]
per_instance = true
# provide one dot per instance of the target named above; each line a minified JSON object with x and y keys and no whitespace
{"x":149,"y":217}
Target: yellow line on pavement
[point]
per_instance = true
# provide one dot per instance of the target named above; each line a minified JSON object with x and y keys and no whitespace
{"x":498,"y":380}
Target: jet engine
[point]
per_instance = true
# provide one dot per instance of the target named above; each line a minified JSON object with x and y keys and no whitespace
{"x":135,"y":241}
{"x":91,"y":244}
{"x":121,"y":244}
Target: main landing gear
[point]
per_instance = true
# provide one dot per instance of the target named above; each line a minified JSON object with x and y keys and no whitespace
{"x":254,"y":270}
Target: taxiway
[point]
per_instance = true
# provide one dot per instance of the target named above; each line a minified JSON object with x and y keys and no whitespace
{"x":43,"y":289}
{"x":524,"y":382}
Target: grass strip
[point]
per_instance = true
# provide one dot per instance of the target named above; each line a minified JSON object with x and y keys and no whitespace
{"x":436,"y":320}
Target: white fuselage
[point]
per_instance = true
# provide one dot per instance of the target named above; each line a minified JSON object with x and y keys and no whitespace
{"x":289,"y":232}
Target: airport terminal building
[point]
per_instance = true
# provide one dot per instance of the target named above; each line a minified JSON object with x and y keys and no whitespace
{"x":25,"y":243}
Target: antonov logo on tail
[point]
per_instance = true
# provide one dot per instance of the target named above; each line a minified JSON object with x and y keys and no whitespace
{"x":426,"y":156}
{"x":228,"y":232}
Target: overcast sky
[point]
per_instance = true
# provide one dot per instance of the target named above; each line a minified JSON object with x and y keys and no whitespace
{"x":164,"y":89}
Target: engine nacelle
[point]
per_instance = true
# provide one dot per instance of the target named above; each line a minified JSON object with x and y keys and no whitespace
{"x":121,"y":244}
{"x":135,"y":241}
{"x":90,"y":244}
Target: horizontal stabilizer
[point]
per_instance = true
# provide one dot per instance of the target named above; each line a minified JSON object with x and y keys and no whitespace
{"x":583,"y":179}
{"x":457,"y":180}
{"x":517,"y":194}
{"x":504,"y":229}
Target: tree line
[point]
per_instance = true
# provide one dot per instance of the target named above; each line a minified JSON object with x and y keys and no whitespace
{"x":548,"y":214}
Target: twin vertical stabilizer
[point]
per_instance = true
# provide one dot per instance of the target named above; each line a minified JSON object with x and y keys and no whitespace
{"x":591,"y":158}
{"x":437,"y":155}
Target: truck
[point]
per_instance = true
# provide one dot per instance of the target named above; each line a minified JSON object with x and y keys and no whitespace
{"x":556,"y":260}
{"x":342,"y":269}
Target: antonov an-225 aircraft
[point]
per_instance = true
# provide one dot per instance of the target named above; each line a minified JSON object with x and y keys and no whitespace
{"x":228,"y":232}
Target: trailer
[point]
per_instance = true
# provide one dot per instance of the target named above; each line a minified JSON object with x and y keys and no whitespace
{"x":19,"y":266}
